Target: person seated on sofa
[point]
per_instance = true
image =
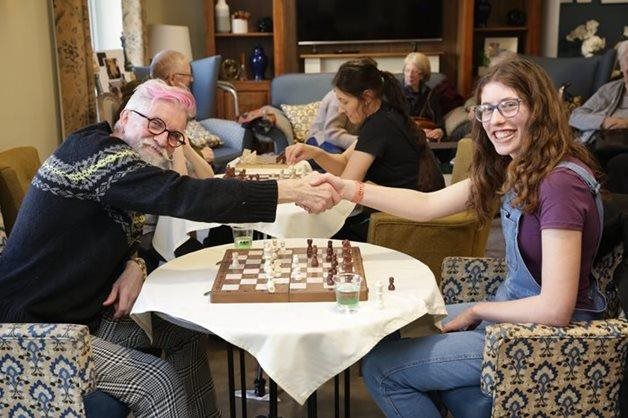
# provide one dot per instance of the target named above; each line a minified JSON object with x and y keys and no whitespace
{"x":551,"y":220}
{"x":175,"y":69}
{"x":75,"y":264}
{"x":605,"y":114}
{"x":390,"y":149}
{"x":424,"y":104}
{"x":331,"y":129}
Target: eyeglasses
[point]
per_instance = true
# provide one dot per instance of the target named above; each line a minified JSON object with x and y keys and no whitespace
{"x":185,"y":75}
{"x":157,"y":126}
{"x":508,"y":108}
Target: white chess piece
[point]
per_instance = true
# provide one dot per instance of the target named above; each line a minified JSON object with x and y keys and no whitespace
{"x":379,"y":295}
{"x":270,"y":285}
{"x":234,"y":261}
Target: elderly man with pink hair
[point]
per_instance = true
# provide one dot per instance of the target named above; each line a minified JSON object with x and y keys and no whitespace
{"x":70,"y":257}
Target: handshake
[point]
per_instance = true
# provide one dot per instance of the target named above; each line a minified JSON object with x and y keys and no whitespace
{"x":316,"y":192}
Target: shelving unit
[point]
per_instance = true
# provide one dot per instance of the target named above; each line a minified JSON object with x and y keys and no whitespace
{"x":252,"y":94}
{"x":471,"y":39}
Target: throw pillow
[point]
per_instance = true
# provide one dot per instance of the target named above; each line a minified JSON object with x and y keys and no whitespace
{"x":200,"y":137}
{"x":301,"y":118}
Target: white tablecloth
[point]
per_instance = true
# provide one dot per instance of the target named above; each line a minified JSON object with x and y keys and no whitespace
{"x":299,"y":345}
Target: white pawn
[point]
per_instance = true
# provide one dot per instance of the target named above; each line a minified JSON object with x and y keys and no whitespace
{"x":234,"y":261}
{"x":270,"y":285}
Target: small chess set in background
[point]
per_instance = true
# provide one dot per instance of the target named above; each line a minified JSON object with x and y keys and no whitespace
{"x":289,"y":172}
{"x":252,"y":159}
{"x":279,"y":274}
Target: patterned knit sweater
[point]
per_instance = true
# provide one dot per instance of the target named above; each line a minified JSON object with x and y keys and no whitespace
{"x":81,"y":220}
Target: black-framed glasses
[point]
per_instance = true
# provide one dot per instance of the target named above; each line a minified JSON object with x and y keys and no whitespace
{"x":508,"y":108}
{"x":157,"y":126}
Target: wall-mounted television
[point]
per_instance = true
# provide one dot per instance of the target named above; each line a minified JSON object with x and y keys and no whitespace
{"x":355,"y":21}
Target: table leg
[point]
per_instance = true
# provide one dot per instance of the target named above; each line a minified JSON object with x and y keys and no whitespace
{"x":337,"y":396}
{"x":272,"y":391}
{"x":242,"y":383}
{"x":347,"y":392}
{"x":311,"y":406}
{"x":231,"y":378}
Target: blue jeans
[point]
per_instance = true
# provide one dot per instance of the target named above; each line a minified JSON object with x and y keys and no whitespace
{"x":401,"y":373}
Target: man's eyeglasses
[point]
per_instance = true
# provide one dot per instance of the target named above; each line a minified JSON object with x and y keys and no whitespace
{"x":157,"y":126}
{"x":508,"y":108}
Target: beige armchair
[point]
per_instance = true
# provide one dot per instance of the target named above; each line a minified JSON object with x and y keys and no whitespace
{"x":17,"y":168}
{"x":456,"y":235}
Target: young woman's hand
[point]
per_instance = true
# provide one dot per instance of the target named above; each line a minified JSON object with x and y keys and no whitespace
{"x":434,"y":134}
{"x":299,"y":152}
{"x":465,"y":321}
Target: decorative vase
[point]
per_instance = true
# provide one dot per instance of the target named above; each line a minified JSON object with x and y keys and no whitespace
{"x":223,"y":20}
{"x":258,"y":61}
{"x":482,"y":12}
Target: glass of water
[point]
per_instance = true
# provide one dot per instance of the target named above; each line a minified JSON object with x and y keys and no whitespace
{"x":347,"y":286}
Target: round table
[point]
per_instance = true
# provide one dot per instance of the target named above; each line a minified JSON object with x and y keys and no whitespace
{"x":299,"y":345}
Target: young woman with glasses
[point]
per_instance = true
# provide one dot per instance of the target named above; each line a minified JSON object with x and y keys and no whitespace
{"x":525,"y":154}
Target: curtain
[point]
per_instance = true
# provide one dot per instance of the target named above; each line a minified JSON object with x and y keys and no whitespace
{"x":134,"y":33}
{"x":75,"y":64}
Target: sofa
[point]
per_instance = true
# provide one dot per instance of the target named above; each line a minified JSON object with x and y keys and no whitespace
{"x":302,"y":89}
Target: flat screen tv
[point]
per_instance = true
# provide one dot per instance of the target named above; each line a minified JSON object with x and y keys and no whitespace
{"x":354,"y":21}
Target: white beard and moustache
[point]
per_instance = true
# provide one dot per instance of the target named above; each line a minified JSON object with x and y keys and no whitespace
{"x":163,"y":161}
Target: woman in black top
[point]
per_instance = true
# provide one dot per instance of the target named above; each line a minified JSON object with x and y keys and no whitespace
{"x":390,"y":148}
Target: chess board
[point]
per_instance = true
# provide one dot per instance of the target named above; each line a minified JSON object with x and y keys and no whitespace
{"x":247,"y":284}
{"x":251,"y":175}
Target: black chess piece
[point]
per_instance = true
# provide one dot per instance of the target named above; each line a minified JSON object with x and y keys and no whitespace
{"x":391,"y":283}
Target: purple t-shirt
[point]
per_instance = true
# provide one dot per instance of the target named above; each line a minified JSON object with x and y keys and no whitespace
{"x":565,"y":202}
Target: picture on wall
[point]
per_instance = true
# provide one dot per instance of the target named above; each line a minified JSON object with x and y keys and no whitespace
{"x":110,"y":76}
{"x":494,"y":46}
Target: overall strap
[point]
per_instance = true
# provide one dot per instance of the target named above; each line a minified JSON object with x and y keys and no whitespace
{"x":594,"y":186}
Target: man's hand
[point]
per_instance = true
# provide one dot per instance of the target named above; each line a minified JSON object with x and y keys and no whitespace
{"x":125,"y":290}
{"x":615,"y":123}
{"x":434,"y":134}
{"x":299,"y":152}
{"x":313,"y":198}
{"x":465,"y":321}
{"x":344,"y":188}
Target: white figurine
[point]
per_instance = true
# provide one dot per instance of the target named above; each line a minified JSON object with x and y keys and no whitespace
{"x":234,"y":261}
{"x":270,"y":285}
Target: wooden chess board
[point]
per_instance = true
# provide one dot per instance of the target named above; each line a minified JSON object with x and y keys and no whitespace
{"x":247,"y":284}
{"x":257,"y":175}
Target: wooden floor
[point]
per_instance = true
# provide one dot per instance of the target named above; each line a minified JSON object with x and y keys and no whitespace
{"x":362,"y":406}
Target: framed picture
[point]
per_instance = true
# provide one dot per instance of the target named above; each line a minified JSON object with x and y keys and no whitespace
{"x":111,"y":76}
{"x":494,"y":46}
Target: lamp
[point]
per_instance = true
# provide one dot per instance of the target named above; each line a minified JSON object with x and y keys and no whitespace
{"x":176,"y":38}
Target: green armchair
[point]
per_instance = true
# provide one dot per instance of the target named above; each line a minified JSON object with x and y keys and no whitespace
{"x":537,"y":370}
{"x":460,"y":234}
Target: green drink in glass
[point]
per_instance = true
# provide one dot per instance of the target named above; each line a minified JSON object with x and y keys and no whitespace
{"x":242,"y":236}
{"x":347,"y":286}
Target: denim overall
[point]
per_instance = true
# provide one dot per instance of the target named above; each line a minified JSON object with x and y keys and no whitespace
{"x":520,"y":283}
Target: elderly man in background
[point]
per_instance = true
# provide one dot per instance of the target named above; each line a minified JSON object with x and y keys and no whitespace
{"x":604,"y":117}
{"x":76,"y":264}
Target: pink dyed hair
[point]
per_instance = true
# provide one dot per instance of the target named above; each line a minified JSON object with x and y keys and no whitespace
{"x":152,"y":90}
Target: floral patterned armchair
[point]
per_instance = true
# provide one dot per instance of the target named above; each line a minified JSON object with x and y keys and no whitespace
{"x":536,"y":370}
{"x":47,"y":370}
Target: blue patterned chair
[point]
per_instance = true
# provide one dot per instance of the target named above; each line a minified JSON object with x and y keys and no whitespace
{"x":48,"y":370}
{"x":541,"y":371}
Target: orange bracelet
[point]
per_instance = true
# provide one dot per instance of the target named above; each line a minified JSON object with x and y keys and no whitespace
{"x":359,"y":192}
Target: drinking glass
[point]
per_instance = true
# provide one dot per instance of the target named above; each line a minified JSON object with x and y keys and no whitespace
{"x":242,"y":236}
{"x":347,"y":287}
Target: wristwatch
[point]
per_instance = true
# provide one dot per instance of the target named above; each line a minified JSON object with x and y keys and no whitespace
{"x":142,"y":264}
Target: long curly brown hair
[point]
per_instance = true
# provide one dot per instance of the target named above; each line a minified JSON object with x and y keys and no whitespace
{"x":548,"y":140}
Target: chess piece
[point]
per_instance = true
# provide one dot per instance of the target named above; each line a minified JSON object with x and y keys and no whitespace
{"x":314,"y":260}
{"x":330,"y":278}
{"x":346,"y":243}
{"x":330,"y":245}
{"x":270,"y":285}
{"x":379,"y":294}
{"x":391,"y":283}
{"x":328,"y":257}
{"x":234,"y":261}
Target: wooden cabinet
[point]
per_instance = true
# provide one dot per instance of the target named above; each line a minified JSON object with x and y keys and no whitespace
{"x":471,"y":39}
{"x":251,"y":95}
{"x":277,"y":45}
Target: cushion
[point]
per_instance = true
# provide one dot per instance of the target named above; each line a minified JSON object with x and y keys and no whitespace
{"x":301,"y":118}
{"x":201,"y":137}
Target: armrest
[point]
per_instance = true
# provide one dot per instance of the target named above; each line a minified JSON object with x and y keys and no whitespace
{"x":230,"y":88}
{"x":48,"y":367}
{"x":541,"y":362}
{"x":471,"y":279}
{"x":231,"y":133}
{"x":430,"y":242}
